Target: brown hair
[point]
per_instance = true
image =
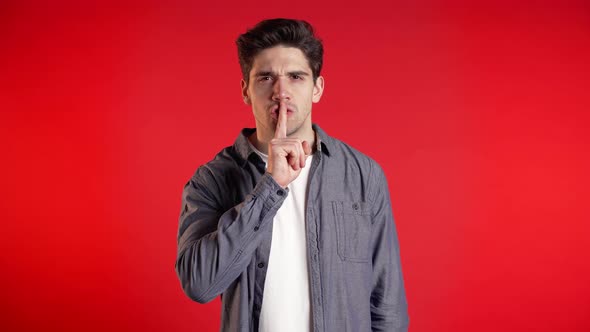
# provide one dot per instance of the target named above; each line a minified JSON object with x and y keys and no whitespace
{"x":280,"y":31}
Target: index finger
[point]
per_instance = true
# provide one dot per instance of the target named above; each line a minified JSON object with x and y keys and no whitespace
{"x":281,"y":129}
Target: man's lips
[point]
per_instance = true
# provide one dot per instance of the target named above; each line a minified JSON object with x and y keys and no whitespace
{"x":274,"y":111}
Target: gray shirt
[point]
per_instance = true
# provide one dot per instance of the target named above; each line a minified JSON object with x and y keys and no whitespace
{"x":225,"y":232}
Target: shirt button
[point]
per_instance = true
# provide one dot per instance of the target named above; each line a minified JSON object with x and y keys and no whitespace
{"x":256,"y":228}
{"x":355,"y":206}
{"x":280,"y":192}
{"x":260,"y":265}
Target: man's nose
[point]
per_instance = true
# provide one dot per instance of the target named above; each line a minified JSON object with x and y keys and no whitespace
{"x":281,"y":90}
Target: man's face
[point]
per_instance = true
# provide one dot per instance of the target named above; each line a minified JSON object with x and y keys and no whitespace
{"x":282,"y":74}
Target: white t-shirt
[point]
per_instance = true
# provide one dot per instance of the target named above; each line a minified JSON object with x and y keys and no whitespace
{"x":286,"y":304}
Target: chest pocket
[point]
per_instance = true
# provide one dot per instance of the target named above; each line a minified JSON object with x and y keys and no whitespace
{"x":353,"y":228}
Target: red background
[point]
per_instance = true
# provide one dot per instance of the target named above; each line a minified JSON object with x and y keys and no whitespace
{"x":477,"y":113}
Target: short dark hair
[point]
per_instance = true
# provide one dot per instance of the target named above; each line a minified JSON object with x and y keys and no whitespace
{"x":280,"y":31}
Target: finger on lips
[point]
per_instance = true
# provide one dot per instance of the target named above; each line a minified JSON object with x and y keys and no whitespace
{"x":281,"y":129}
{"x":297,"y":151}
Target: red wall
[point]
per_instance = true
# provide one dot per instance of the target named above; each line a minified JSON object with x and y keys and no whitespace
{"x":478,"y":114}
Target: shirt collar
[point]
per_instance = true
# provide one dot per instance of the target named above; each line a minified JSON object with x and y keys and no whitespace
{"x":323,"y":142}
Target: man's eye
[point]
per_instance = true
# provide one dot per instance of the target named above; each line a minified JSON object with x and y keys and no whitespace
{"x":296,"y":77}
{"x":264,"y":78}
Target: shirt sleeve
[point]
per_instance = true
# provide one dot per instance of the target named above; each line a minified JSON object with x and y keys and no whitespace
{"x":389,"y":308}
{"x":215,"y":247}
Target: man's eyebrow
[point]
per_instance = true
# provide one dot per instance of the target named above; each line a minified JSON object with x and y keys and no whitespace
{"x":269,"y":73}
{"x":263,"y":73}
{"x":298,"y":73}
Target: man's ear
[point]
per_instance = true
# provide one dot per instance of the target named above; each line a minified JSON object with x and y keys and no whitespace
{"x":245,"y":95}
{"x":318,"y":89}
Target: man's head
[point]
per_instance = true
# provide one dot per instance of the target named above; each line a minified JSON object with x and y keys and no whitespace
{"x":281,"y":61}
{"x":286,"y":32}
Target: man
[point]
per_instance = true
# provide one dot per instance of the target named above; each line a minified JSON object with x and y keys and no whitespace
{"x":292,"y":227}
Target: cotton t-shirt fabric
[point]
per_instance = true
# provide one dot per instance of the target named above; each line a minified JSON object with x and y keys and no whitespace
{"x":285,"y":304}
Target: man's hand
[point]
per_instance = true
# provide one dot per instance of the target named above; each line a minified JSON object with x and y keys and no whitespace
{"x":286,"y":156}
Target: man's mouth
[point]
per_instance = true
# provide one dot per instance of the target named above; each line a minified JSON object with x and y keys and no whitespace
{"x":274,"y":112}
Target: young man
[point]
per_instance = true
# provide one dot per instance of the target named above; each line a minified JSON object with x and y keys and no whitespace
{"x":291,"y":226}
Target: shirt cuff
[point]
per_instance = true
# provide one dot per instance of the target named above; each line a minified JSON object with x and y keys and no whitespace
{"x":271,"y":193}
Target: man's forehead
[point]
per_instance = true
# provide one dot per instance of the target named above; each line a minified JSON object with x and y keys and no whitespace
{"x":280,"y":58}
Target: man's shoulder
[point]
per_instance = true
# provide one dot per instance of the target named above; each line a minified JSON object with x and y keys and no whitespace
{"x":226,"y":160}
{"x":340,"y":149}
{"x":356,"y":168}
{"x":230,"y":161}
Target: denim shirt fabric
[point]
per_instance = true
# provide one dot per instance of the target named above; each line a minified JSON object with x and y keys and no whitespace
{"x":225,"y":232}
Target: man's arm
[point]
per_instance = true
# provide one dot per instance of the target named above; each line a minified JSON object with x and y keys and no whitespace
{"x":389,"y":308}
{"x":214,"y":246}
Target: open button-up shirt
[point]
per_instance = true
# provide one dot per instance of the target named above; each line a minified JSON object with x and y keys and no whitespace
{"x":225,"y":232}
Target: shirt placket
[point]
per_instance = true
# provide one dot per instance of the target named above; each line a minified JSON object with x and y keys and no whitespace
{"x":312,"y":232}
